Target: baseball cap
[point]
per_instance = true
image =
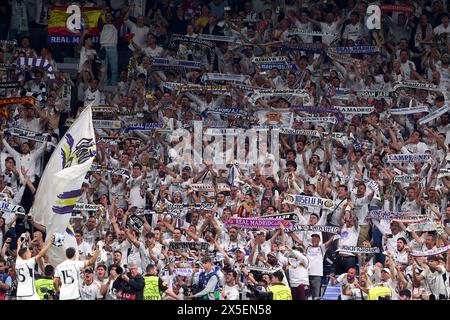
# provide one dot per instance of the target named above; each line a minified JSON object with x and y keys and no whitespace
{"x":240,"y":250}
{"x":89,"y":270}
{"x":386,"y":270}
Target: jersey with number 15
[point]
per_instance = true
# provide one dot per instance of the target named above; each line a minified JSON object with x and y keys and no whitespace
{"x":69,"y":274}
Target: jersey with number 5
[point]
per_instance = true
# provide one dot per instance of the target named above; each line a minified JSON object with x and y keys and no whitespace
{"x":68,"y":273}
{"x":25,"y":277}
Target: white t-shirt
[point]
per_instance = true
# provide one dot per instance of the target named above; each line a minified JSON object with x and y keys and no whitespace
{"x":135,"y":193}
{"x":435,"y":281}
{"x":406,"y":69}
{"x":32,"y":125}
{"x":84,"y":55}
{"x":348,"y":237}
{"x":417,"y":148}
{"x":342,"y":279}
{"x":315,"y":256}
{"x":108,"y":36}
{"x":140,"y":34}
{"x":440,"y":29}
{"x":157,"y":52}
{"x":360,"y":208}
{"x":328,"y":28}
{"x":232,"y":293}
{"x":91,"y":291}
{"x":83,"y":250}
{"x":353,"y":32}
{"x":69,"y":274}
{"x":25,"y":277}
{"x":298,"y":269}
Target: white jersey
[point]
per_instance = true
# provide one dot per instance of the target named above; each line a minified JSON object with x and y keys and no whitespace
{"x":315,"y":256}
{"x":25,"y":277}
{"x":69,"y":274}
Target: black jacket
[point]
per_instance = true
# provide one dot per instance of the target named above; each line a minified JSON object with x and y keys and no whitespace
{"x":132,"y":290}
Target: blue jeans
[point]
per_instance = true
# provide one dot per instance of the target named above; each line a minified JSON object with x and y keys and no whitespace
{"x":111,"y":60}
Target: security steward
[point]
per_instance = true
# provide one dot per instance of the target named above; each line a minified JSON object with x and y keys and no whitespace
{"x":45,"y":282}
{"x":154,"y":286}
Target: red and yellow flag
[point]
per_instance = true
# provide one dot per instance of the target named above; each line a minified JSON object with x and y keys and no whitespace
{"x":58,"y":31}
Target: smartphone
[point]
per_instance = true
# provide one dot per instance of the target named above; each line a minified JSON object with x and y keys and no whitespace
{"x":390,"y":236}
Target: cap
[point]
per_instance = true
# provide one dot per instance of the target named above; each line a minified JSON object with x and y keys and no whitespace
{"x":89,"y":270}
{"x":240,"y":250}
{"x":386,"y":270}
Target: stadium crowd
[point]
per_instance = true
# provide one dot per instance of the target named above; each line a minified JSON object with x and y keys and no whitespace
{"x":322,"y":158}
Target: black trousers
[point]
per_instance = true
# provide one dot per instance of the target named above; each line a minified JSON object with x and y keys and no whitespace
{"x":343,"y":263}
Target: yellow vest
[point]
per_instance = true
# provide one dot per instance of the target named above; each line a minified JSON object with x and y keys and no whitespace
{"x":151,"y":289}
{"x":280,"y":292}
{"x":39,"y":283}
{"x":379,"y":291}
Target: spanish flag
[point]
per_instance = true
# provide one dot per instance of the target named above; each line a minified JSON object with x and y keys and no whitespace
{"x":58,"y":18}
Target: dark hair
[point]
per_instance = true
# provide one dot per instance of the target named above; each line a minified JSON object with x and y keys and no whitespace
{"x":279,"y":275}
{"x":149,"y":267}
{"x":22,"y":251}
{"x":402,"y":240}
{"x":70,"y":252}
{"x":206,"y":259}
{"x":405,"y":292}
{"x":291,"y":163}
{"x":10,"y":158}
{"x":137,"y":165}
{"x":233,"y":272}
{"x":291,"y":151}
{"x":48,"y":270}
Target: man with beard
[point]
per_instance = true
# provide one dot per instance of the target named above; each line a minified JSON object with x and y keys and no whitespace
{"x":348,"y":281}
{"x":181,"y":184}
{"x":400,"y":253}
{"x":116,"y":186}
{"x":220,"y":204}
{"x":362,"y":288}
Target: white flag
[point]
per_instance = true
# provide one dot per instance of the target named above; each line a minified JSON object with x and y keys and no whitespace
{"x":60,"y":186}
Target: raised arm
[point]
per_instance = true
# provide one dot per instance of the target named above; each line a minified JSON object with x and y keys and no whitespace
{"x":45,"y":249}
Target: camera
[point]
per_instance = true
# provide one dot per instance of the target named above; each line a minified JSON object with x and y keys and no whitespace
{"x":254,"y":293}
{"x":188,"y":290}
{"x":49,"y":294}
{"x":119,"y":270}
